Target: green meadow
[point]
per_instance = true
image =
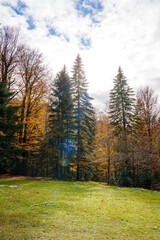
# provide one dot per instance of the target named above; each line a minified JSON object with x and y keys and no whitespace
{"x":77,"y":210}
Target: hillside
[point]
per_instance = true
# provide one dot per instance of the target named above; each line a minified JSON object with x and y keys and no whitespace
{"x":76,"y":210}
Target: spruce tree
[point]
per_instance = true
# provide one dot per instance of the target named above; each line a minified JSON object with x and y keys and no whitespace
{"x":61,"y":124}
{"x":84,"y":121}
{"x":121,"y":104}
{"x":8,"y":129}
{"x":122,"y":118}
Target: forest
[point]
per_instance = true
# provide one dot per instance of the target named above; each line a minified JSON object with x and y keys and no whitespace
{"x":49,"y":127}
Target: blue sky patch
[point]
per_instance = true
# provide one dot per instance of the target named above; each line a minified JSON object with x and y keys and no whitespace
{"x":52,"y":31}
{"x":19,"y":9}
{"x":86,"y":42}
{"x":86,"y":7}
{"x":30,"y":23}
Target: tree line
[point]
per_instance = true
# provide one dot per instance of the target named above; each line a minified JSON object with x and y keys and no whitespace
{"x":49,"y":127}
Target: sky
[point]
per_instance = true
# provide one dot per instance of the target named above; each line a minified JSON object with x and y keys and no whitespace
{"x":106,"y":33}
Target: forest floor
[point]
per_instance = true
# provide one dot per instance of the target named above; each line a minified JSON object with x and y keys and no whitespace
{"x":64,"y":210}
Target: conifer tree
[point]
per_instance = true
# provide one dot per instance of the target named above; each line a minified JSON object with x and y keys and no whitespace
{"x":61,"y":124}
{"x":8,"y":129}
{"x":121,"y":104}
{"x":122,"y":117}
{"x":84,"y":121}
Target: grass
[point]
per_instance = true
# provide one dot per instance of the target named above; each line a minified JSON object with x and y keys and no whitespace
{"x":77,"y":210}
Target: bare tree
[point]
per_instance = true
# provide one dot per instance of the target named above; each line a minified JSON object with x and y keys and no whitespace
{"x":146,"y":150}
{"x":9,"y":50}
{"x":148,"y":109}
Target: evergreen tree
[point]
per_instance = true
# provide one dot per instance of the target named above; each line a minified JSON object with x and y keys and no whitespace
{"x":84,"y":121}
{"x":121,"y":104}
{"x":61,"y":124}
{"x":122,"y":117}
{"x":8,"y":128}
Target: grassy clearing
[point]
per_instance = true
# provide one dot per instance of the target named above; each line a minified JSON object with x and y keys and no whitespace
{"x":77,"y":210}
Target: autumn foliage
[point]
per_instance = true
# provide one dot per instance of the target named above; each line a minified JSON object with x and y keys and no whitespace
{"x":48,"y":127}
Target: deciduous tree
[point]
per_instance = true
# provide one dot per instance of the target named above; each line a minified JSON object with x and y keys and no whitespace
{"x":9,"y":49}
{"x":33,"y":76}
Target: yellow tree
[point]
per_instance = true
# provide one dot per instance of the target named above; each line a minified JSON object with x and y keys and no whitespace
{"x":103,"y":151}
{"x":33,"y":77}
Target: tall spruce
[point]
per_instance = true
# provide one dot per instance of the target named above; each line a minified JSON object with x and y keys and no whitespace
{"x":61,"y":124}
{"x":122,"y":118}
{"x":121,"y":104}
{"x":84,"y":121}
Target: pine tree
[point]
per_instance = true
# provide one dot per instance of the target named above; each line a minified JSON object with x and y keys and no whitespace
{"x":8,"y":128}
{"x":84,"y":121}
{"x":121,"y":104}
{"x":61,"y":124}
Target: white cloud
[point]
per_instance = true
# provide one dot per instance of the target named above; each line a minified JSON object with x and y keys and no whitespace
{"x":9,"y":2}
{"x":121,"y":34}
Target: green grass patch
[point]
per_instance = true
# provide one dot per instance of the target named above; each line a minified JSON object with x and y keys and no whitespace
{"x":77,"y":210}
